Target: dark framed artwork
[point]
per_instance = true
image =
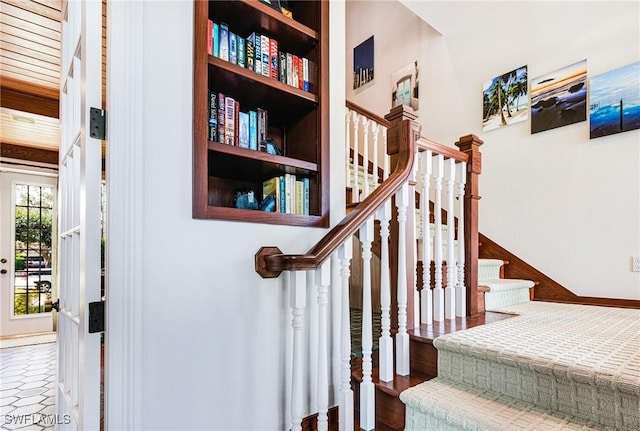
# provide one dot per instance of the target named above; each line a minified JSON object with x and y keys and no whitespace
{"x":614,"y":104}
{"x":559,"y":98}
{"x":363,"y":64}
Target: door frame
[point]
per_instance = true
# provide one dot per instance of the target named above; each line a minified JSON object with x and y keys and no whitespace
{"x":34,"y":178}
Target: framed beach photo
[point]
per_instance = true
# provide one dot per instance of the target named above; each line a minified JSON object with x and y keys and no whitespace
{"x":505,"y":99}
{"x":559,"y":98}
{"x":614,"y":103}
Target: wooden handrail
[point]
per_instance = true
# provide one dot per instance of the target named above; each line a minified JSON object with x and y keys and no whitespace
{"x":402,"y":135}
{"x":425,"y":144}
{"x":370,"y":115}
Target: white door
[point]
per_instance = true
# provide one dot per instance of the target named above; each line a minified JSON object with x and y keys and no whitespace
{"x":27,"y":236}
{"x":78,"y":398}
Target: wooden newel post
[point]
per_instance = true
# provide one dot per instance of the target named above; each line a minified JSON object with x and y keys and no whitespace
{"x":402,"y":135}
{"x":470,"y":144}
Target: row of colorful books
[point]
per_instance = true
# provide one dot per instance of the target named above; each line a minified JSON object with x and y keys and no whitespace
{"x":260,"y":53}
{"x":229,"y":125}
{"x":291,"y":194}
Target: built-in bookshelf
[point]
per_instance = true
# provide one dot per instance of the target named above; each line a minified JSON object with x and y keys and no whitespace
{"x":296,"y":121}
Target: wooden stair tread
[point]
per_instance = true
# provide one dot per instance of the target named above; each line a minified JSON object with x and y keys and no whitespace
{"x":427,"y":333}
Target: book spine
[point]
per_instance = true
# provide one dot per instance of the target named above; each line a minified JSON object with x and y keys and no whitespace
{"x":257,"y":52}
{"x":299,"y":197}
{"x":233,"y":48}
{"x":213,"y":116}
{"x":216,"y":39}
{"x":224,"y":42}
{"x":289,"y":69}
{"x":305,"y":211}
{"x":283,"y":195}
{"x":282,"y":67}
{"x":210,"y":37}
{"x":253,"y":130}
{"x":294,"y":74}
{"x":242,"y":62}
{"x":305,"y":74}
{"x":262,"y":129}
{"x":264,"y":49}
{"x":221,"y":107}
{"x":250,"y":53}
{"x":300,"y":74}
{"x":273,"y":57}
{"x":229,"y":120}
{"x":243,"y":141}
{"x":236,"y":123}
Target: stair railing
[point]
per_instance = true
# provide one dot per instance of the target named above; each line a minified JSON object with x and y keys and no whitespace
{"x":401,"y":141}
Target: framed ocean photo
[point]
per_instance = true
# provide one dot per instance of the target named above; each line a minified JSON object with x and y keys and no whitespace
{"x":614,"y":104}
{"x":559,"y":98}
{"x":505,"y":99}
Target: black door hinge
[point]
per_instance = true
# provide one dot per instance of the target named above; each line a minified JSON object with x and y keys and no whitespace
{"x":97,"y":123}
{"x":96,"y":317}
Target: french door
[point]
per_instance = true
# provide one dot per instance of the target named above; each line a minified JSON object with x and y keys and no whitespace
{"x":80,"y":170}
{"x":27,"y":235}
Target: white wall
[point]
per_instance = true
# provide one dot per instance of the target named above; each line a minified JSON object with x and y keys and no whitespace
{"x":568,"y":205}
{"x":212,"y":331}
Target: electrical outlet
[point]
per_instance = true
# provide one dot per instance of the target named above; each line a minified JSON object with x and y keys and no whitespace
{"x":635,"y":261}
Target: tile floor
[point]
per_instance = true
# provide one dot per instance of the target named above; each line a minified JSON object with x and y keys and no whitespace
{"x":27,"y":387}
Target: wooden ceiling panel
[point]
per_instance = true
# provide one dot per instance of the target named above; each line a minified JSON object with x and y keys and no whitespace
{"x":51,"y":11}
{"x":13,"y":44}
{"x":13,"y":21}
{"x":22,"y":128}
{"x":17,"y":9}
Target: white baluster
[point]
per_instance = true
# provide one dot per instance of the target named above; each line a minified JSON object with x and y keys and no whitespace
{"x":336,"y":329}
{"x":438,"y":292}
{"x":426,"y":294}
{"x":414,"y":243}
{"x":356,"y":187}
{"x":298,"y":301}
{"x":387,"y":158}
{"x":323,"y":277}
{"x":312,"y":345}
{"x":386,"y":342}
{"x":376,"y":133}
{"x":347,"y":148}
{"x":402,"y":337}
{"x":450,"y":291}
{"x":345,"y":252}
{"x":367,"y":388}
{"x":461,"y":290}
{"x":365,"y":157}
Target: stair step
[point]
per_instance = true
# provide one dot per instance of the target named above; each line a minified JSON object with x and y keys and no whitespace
{"x":577,"y":360}
{"x":489,"y":268}
{"x":504,"y":292}
{"x":447,"y":406}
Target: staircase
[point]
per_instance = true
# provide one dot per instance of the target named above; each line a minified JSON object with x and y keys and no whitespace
{"x":551,"y":367}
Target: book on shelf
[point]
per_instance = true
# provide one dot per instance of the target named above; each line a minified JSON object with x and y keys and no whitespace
{"x":305,"y":74}
{"x":282,"y":67}
{"x":262,"y":129}
{"x":282,"y":199}
{"x":253,"y":130}
{"x":216,"y":39}
{"x":250,"y":53}
{"x":224,"y":42}
{"x":271,"y":187}
{"x":305,"y":206}
{"x":243,"y":130}
{"x":241,"y":52}
{"x":210,"y":37}
{"x":299,"y":201}
{"x":229,"y":120}
{"x":264,"y":49}
{"x":233,"y":48}
{"x":221,"y":107}
{"x":213,"y":115}
{"x":236,"y":124}
{"x":289,"y":69}
{"x":256,"y":40}
{"x":273,"y":58}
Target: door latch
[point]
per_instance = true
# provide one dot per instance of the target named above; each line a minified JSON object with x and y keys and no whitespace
{"x":96,"y":317}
